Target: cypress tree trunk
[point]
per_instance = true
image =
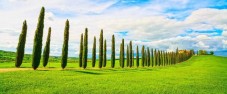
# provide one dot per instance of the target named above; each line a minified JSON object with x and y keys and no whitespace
{"x":21,"y":45}
{"x":148,"y":57}
{"x":137,"y":56}
{"x":101,"y":49}
{"x":37,"y":46}
{"x":152,"y":57}
{"x":94,"y":53}
{"x":65,"y":46}
{"x":81,"y":50}
{"x":46,"y":51}
{"x":122,"y":54}
{"x":143,"y":56}
{"x":85,"y":49}
{"x":113,"y":52}
{"x":130,"y":54}
{"x":104,"y":55}
{"x":127,"y":56}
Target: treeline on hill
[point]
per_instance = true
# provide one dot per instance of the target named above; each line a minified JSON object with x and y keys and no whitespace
{"x":149,"y":57}
{"x":204,"y":52}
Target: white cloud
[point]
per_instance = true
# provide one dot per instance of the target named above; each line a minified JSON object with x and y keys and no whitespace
{"x":146,"y":25}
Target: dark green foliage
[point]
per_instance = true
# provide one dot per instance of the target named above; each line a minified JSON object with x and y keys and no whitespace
{"x":148,"y":57}
{"x":85,"y":49}
{"x":101,"y":49}
{"x":65,"y":45}
{"x":104,"y":55}
{"x":94,"y":53}
{"x":152,"y":57}
{"x":81,"y":50}
{"x":46,"y":51}
{"x":137,"y":56}
{"x":113,"y":52}
{"x":143,"y":56}
{"x":159,"y":58}
{"x":127,"y":55}
{"x":37,"y":46}
{"x":130,"y":54}
{"x":21,"y":45}
{"x":133,"y":58}
{"x":155,"y":58}
{"x":122,"y":54}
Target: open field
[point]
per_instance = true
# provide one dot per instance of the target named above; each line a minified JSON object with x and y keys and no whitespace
{"x":200,"y":74}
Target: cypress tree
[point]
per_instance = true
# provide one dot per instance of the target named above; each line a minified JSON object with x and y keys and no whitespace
{"x":101,"y":49}
{"x":104,"y":55}
{"x":159,"y":58}
{"x":94,"y":53}
{"x":81,"y":50}
{"x":148,"y":57}
{"x":133,"y":58}
{"x":130,"y":54}
{"x":122,"y":54}
{"x":85,"y":49}
{"x":137,"y":56}
{"x":37,"y":46}
{"x":65,"y":45}
{"x":113,"y":52}
{"x":127,"y":56}
{"x":143,"y":56}
{"x":152,"y":57}
{"x":46,"y":51}
{"x":155,"y":57}
{"x":21,"y":45}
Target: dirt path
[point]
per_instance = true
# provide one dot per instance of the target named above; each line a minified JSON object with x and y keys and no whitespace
{"x":2,"y":70}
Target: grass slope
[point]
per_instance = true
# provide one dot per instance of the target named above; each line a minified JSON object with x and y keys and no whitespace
{"x":200,"y":75}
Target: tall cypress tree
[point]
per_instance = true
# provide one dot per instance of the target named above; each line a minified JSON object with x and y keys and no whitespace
{"x":143,"y":56}
{"x":122,"y":54}
{"x":37,"y":46}
{"x":137,"y":56}
{"x":94,"y":53}
{"x":133,"y":58}
{"x":46,"y":51}
{"x":101,"y":49}
{"x":152,"y":57}
{"x":155,"y":57}
{"x":65,"y":45}
{"x":130,"y":54}
{"x":81,"y":50}
{"x":113,"y":52}
{"x":127,"y":55}
{"x":21,"y":45}
{"x":148,"y":57}
{"x":85,"y":49}
{"x":104,"y":55}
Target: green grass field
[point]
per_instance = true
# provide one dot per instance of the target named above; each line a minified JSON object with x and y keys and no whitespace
{"x":199,"y":75}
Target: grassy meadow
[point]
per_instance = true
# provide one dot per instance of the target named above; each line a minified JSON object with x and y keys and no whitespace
{"x":200,"y":75}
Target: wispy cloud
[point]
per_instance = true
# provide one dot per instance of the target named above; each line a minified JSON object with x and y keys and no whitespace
{"x":165,"y":25}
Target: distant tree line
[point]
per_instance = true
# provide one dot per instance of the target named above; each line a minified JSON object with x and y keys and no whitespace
{"x":147,"y":57}
{"x":204,"y":52}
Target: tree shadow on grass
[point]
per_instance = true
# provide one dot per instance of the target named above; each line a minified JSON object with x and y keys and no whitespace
{"x":85,"y":72}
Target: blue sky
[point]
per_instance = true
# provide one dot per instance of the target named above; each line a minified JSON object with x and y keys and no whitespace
{"x":166,"y":25}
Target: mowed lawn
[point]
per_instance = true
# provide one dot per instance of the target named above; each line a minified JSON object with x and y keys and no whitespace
{"x":200,"y":75}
